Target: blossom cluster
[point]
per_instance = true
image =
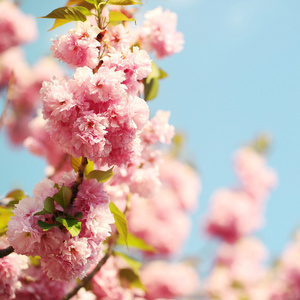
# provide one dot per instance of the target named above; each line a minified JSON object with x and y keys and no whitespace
{"x":229,"y":218}
{"x":97,"y":114}
{"x":63,"y":256}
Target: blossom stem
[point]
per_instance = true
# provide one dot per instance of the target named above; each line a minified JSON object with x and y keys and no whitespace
{"x":79,"y":179}
{"x":88,"y":278}
{"x":6,"y":251}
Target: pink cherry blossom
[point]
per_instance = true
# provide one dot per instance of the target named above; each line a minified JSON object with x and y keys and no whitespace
{"x":16,"y":27}
{"x":80,"y":47}
{"x":168,"y":281}
{"x":160,"y":29}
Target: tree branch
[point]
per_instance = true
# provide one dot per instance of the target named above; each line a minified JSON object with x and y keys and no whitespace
{"x":88,"y":278}
{"x":6,"y":251}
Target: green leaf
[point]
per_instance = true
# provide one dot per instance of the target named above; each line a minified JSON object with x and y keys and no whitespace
{"x":73,"y":2}
{"x":5,"y":214}
{"x":129,"y":277}
{"x":135,"y":265}
{"x":136,"y":243}
{"x":46,"y":226}
{"x":84,"y":10}
{"x":56,"y":186}
{"x":151,"y":89}
{"x":78,"y":215}
{"x":162,"y":74}
{"x":89,"y":168}
{"x":63,"y":197}
{"x":88,"y":4}
{"x":101,"y":176}
{"x":91,"y":1}
{"x":116,"y":17}
{"x":120,"y":222}
{"x":123,"y":2}
{"x":49,"y":205}
{"x":71,"y":224}
{"x":59,"y":22}
{"x":151,"y":83}
{"x":66,"y":13}
{"x":155,"y":73}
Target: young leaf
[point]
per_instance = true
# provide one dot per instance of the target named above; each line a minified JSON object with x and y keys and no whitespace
{"x":59,"y":22}
{"x":123,"y":2}
{"x":78,"y":215}
{"x":135,"y":265}
{"x":120,"y":221}
{"x":46,"y":226}
{"x":15,"y":196}
{"x":136,"y":243}
{"x":116,"y":16}
{"x":5,"y":214}
{"x":89,"y":168}
{"x":63,"y":197}
{"x":101,"y":176}
{"x":74,"y":2}
{"x":162,"y":74}
{"x":84,"y":10}
{"x":66,"y":13}
{"x":48,"y":207}
{"x":76,"y":162}
{"x":129,"y":277}
{"x":154,"y":72}
{"x":71,"y":224}
{"x":151,"y":89}
{"x":91,"y":1}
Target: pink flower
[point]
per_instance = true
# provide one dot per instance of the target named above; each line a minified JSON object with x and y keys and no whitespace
{"x":158,"y":129}
{"x":59,"y":101}
{"x":169,"y":226}
{"x":16,"y":28}
{"x":232,"y":215}
{"x":182,"y":179}
{"x":63,"y":257}
{"x":35,"y":286}
{"x":79,"y":48}
{"x":11,"y":267}
{"x":136,"y":65}
{"x":160,"y":29}
{"x":88,"y":137}
{"x":168,"y":281}
{"x":256,"y":177}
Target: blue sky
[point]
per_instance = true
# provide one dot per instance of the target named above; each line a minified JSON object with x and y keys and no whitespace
{"x":237,"y":76}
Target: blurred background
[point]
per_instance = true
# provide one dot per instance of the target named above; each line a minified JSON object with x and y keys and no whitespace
{"x":237,"y":76}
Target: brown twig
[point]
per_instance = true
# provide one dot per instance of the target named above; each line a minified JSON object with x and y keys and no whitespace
{"x":88,"y":278}
{"x":79,"y":179}
{"x":6,"y":251}
{"x":8,"y":98}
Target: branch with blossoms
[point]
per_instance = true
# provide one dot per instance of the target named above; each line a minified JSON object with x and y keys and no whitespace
{"x":106,"y":171}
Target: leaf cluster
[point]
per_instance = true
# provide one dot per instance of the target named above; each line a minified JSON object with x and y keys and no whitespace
{"x":78,"y":10}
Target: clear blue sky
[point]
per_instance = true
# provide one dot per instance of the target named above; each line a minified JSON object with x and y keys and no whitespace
{"x":238,"y":75}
